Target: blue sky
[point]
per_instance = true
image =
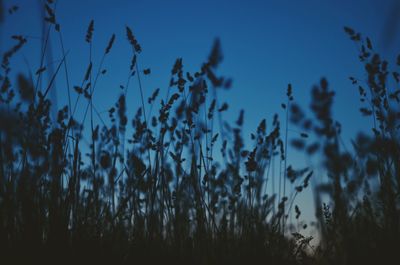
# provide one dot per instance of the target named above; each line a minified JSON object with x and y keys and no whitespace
{"x":266,"y":45}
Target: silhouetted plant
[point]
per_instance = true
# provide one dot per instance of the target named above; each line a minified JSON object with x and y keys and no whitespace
{"x":151,"y":189}
{"x":362,"y":224}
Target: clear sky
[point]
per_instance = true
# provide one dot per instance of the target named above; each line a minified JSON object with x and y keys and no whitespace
{"x":266,"y":45}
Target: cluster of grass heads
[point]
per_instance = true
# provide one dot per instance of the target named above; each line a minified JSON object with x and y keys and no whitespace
{"x":180,"y":185}
{"x":362,"y":223}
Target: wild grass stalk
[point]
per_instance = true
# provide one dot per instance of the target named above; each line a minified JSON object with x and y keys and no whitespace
{"x":162,"y":195}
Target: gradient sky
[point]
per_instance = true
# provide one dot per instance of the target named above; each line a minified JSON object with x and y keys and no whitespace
{"x":266,"y":45}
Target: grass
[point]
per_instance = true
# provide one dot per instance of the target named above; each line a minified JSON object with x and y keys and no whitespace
{"x":161,"y":195}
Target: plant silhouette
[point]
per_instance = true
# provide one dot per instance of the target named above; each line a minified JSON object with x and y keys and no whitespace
{"x":178,"y":185}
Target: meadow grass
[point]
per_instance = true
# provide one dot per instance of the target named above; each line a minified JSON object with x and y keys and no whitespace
{"x":152,"y":190}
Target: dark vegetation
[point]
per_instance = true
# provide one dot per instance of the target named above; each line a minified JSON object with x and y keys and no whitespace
{"x":178,"y":185}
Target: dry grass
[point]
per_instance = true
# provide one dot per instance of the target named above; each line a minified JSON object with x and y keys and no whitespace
{"x":159,"y":195}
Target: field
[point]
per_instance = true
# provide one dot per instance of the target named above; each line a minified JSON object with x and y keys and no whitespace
{"x":176,"y":183}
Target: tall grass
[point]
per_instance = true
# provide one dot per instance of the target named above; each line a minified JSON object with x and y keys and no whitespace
{"x":160,"y":194}
{"x":360,"y":224}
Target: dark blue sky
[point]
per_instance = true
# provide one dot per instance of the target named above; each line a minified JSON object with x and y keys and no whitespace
{"x":266,"y":45}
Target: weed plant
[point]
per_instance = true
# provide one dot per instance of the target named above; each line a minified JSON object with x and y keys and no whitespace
{"x":182,"y":185}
